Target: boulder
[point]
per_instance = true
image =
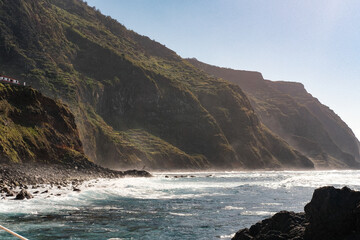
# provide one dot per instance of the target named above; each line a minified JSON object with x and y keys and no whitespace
{"x":137,"y":173}
{"x":23,"y":194}
{"x":8,"y":191}
{"x":332,"y":214}
{"x":283,"y":225}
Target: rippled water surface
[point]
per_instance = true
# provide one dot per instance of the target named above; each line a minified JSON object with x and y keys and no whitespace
{"x":205,"y":206}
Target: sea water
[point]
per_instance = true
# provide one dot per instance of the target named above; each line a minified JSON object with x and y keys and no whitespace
{"x":211,"y":205}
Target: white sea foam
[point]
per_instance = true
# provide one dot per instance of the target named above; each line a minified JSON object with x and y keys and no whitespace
{"x":271,"y":204}
{"x":227,"y":236}
{"x":159,"y":187}
{"x":257,"y":213}
{"x":233,"y":208}
{"x":181,"y":214}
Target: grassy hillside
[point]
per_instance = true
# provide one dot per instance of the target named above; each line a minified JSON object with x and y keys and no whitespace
{"x":291,"y":112}
{"x":136,"y":102}
{"x":34,"y":128}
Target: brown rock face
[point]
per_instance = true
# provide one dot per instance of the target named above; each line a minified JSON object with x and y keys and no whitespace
{"x":35,"y":128}
{"x":337,"y":129}
{"x":288,"y":110}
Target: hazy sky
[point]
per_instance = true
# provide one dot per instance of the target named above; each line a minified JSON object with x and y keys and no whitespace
{"x":316,"y":42}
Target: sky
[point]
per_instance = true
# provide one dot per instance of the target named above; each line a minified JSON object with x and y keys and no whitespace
{"x":315,"y":42}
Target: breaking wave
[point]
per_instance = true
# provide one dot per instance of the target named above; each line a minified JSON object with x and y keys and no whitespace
{"x":184,"y":205}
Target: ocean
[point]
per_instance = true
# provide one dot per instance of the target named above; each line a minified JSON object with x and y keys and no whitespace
{"x":200,"y":205}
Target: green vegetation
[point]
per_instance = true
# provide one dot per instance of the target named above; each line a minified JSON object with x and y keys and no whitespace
{"x":35,"y":128}
{"x":136,"y":102}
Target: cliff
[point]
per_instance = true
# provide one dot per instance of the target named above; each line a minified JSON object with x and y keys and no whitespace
{"x":136,"y":102}
{"x":34,"y":128}
{"x":289,"y":111}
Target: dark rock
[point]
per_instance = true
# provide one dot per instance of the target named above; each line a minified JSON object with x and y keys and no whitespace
{"x":283,"y":225}
{"x":23,"y":194}
{"x":16,"y":183}
{"x":137,"y":173}
{"x":331,"y":214}
{"x":8,"y":191}
{"x":243,"y":234}
{"x":76,"y":189}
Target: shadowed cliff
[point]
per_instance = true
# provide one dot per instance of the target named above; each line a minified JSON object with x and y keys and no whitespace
{"x":288,"y":110}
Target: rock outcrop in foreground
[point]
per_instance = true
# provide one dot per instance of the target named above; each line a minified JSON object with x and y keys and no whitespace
{"x":331,"y":214}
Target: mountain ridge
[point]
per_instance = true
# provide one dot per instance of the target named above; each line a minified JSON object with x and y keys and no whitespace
{"x":136,"y":103}
{"x":291,"y":112}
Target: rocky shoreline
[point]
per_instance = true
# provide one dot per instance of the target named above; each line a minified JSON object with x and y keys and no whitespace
{"x":16,"y":180}
{"x":332,"y":214}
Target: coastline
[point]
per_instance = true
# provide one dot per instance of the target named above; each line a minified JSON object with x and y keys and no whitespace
{"x":197,"y":207}
{"x":17,"y":178}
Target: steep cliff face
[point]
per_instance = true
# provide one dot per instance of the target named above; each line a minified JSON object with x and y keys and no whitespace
{"x":291,"y":112}
{"x":339,"y":132}
{"x":136,"y":102}
{"x":34,"y":128}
